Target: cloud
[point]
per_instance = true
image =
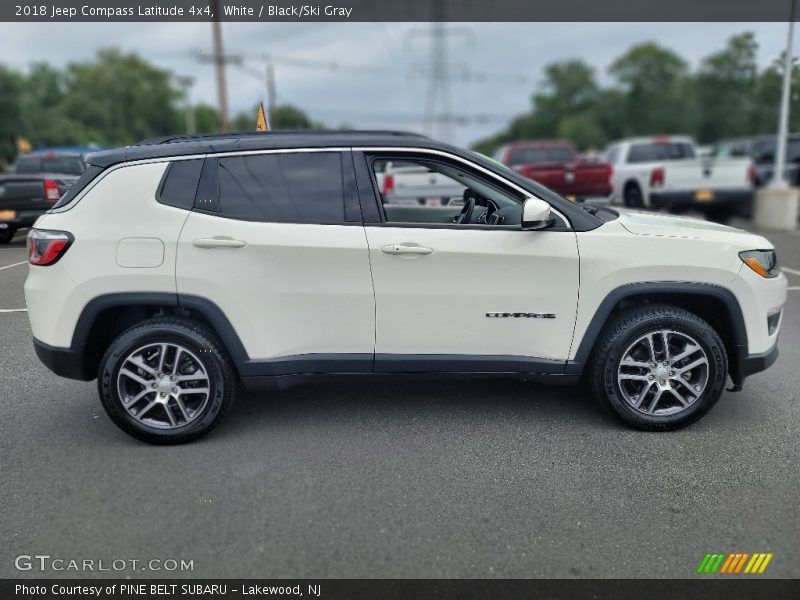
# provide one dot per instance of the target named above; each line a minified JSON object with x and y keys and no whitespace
{"x":379,"y":81}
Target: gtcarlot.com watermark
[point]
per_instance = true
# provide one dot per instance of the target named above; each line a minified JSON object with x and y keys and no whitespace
{"x":46,"y":562}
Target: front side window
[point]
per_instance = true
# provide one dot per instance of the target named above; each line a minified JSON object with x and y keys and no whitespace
{"x":301,"y":187}
{"x":612,"y":155}
{"x":416,"y":190}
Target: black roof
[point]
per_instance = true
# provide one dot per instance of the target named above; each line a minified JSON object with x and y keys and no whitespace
{"x":182,"y":145}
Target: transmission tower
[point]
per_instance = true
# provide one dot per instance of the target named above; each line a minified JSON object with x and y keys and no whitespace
{"x":438,"y":118}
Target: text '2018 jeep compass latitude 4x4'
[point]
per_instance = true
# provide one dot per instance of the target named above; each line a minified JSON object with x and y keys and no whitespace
{"x":177,"y":269}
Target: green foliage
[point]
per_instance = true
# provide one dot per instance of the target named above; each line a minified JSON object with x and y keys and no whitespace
{"x":654,"y":91}
{"x":114,"y":99}
{"x":10,"y":88}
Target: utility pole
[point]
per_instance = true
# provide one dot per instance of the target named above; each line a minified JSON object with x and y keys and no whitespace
{"x":778,"y":177}
{"x":271,"y":92}
{"x":776,"y":204}
{"x":186,"y":84}
{"x":219,"y":67}
{"x":438,"y":85}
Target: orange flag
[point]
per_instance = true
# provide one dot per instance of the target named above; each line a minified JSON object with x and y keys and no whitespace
{"x":261,"y":120}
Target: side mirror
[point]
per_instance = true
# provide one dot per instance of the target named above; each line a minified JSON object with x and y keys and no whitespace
{"x":535,"y":214}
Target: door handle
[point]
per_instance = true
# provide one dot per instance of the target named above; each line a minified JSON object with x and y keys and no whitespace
{"x":405,"y":249}
{"x":219,"y":242}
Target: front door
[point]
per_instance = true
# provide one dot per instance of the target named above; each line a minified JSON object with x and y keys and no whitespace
{"x":469,"y":292}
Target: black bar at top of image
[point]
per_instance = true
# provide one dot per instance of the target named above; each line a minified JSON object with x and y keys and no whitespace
{"x":745,"y":588}
{"x":395,"y":10}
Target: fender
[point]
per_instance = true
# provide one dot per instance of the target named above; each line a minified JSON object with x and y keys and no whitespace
{"x":737,"y":352}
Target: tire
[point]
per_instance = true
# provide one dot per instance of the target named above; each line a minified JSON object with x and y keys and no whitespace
{"x":719,"y":215}
{"x":149,"y":352}
{"x":620,"y":385}
{"x":633,"y":197}
{"x":6,"y":235}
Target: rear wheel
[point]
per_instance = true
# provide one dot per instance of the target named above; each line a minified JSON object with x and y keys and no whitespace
{"x":633,"y":196}
{"x":659,"y":367}
{"x":6,"y":235}
{"x":166,"y":381}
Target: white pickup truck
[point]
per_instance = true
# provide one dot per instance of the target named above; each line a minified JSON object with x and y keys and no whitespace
{"x":665,"y":172}
{"x":411,"y":184}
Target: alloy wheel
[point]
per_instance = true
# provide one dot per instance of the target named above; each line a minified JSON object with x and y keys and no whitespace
{"x":163,"y":385}
{"x":663,"y":372}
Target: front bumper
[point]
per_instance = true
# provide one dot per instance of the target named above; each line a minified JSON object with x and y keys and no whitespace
{"x":64,"y":362}
{"x":755,"y":363}
{"x":734,"y":199}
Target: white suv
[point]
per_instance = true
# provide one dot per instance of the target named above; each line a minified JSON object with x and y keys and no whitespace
{"x":174,"y":270}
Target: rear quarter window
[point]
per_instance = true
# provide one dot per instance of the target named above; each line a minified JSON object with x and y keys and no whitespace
{"x":179,"y":186}
{"x":76,"y":188}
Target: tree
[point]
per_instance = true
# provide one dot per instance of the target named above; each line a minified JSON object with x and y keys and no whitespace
{"x":654,"y":80}
{"x":726,"y":89}
{"x":768,"y":97}
{"x":564,"y":106}
{"x":284,"y":116}
{"x":120,"y":98}
{"x":10,"y":99}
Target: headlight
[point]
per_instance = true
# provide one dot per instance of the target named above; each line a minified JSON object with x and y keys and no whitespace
{"x":763,"y":262}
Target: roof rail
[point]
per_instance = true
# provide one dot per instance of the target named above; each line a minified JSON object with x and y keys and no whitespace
{"x":167,"y":139}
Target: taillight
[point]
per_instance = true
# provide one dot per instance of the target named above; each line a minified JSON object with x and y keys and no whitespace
{"x":51,"y":191}
{"x":388,"y":183}
{"x":46,"y":247}
{"x":657,"y":177}
{"x":751,"y":174}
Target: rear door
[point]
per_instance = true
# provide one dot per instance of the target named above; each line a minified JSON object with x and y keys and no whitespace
{"x":276,"y":243}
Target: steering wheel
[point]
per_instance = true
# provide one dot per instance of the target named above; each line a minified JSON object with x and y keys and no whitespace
{"x":469,"y":207}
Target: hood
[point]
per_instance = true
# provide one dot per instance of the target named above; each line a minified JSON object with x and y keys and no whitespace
{"x":643,"y":223}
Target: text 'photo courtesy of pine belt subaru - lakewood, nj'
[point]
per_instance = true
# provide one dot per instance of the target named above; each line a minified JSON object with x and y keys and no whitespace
{"x":177,"y":270}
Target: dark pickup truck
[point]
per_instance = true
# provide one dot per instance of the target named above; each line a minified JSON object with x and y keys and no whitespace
{"x":35,"y":183}
{"x":557,"y":165}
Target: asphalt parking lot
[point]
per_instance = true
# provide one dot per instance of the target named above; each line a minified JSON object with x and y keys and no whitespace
{"x":417,"y":479}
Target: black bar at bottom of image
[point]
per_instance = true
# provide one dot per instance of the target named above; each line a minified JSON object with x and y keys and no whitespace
{"x":405,"y":589}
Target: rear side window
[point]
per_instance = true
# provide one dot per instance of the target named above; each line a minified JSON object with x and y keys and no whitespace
{"x":180,"y":183}
{"x":63,"y":165}
{"x":302,"y":187}
{"x":660,"y":151}
{"x":85,"y":179}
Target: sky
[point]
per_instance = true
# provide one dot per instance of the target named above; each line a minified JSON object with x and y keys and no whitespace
{"x":373,"y":75}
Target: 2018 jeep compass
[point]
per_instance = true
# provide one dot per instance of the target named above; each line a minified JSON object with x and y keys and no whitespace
{"x":178,"y":268}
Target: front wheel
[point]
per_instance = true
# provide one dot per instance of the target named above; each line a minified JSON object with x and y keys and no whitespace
{"x":166,"y":381}
{"x":6,"y":235}
{"x":659,"y":367}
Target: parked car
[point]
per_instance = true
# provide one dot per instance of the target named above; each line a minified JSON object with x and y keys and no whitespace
{"x":557,"y":165}
{"x":410,"y":184}
{"x":665,"y":172}
{"x":176,"y":271}
{"x":761,"y":150}
{"x":35,"y":183}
